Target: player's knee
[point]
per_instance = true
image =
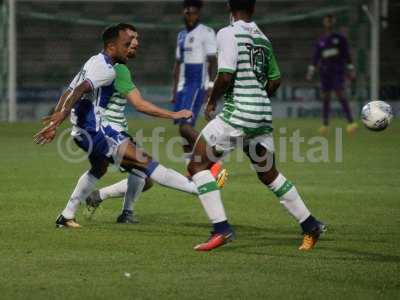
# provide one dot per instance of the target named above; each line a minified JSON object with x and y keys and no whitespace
{"x":148,"y":184}
{"x":184,"y":130}
{"x":195,"y":167}
{"x":98,"y":171}
{"x":268,"y":176}
{"x":98,"y":167}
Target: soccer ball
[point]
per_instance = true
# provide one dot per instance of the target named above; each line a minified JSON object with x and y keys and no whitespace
{"x":376,"y":115}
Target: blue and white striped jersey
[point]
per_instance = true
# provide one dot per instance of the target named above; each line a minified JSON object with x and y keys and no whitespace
{"x":88,"y":112}
{"x":192,"y":50}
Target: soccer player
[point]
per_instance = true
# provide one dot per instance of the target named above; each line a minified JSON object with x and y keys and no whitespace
{"x":194,"y":66}
{"x":332,"y":56}
{"x":91,"y":90}
{"x":115,"y":117}
{"x":247,"y":75}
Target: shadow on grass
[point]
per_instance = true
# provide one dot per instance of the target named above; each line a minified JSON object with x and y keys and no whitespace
{"x":361,"y":255}
{"x":249,"y":238}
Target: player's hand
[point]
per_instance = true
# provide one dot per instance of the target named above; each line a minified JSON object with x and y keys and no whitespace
{"x":47,"y":134}
{"x":182,"y":114}
{"x":46,"y":120}
{"x":210,"y":110}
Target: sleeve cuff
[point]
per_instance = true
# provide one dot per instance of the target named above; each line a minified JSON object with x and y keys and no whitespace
{"x":126,"y":93}
{"x":226,"y":70}
{"x":274,"y":77}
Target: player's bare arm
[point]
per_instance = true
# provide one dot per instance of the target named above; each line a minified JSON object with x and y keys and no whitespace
{"x":272,"y":86}
{"x":47,"y":134}
{"x":212,"y":70}
{"x":148,"y":108}
{"x":221,"y":84}
{"x":60,"y":103}
{"x":175,"y":76}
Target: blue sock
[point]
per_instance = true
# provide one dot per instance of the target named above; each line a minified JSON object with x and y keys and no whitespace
{"x":151,"y":167}
{"x":222,"y":227}
{"x":309,"y":224}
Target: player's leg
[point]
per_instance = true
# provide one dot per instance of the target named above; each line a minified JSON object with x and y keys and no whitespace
{"x":204,"y":155}
{"x":189,"y":135}
{"x":261,"y":153}
{"x":137,"y":182}
{"x":326,"y":108}
{"x":186,"y":129}
{"x":86,"y":184}
{"x":116,"y":190}
{"x":352,"y":126}
{"x":326,"y":90}
{"x":135,"y":158}
{"x":192,"y":98}
{"x":96,"y":145}
{"x":135,"y":185}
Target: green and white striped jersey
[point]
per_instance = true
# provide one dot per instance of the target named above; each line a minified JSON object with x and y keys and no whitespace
{"x":115,"y":111}
{"x":246,"y":52}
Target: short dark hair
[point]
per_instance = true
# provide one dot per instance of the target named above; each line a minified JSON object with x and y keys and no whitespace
{"x":243,"y":5}
{"x":111,"y":33}
{"x":193,"y":3}
{"x":127,"y":26}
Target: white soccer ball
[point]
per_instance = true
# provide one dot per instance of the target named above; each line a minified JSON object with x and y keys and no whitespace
{"x":376,"y":115}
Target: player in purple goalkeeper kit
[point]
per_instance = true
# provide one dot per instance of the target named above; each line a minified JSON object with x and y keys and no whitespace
{"x":332,"y":56}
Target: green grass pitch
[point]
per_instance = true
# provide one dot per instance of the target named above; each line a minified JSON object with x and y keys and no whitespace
{"x":358,"y":258}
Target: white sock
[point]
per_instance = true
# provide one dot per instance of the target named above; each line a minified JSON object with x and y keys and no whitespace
{"x":210,"y":196}
{"x":290,"y":198}
{"x":172,"y":179}
{"x":116,"y":190}
{"x":84,"y":187}
{"x":135,"y":187}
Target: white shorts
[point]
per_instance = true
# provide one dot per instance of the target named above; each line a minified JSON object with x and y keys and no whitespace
{"x":226,"y":138}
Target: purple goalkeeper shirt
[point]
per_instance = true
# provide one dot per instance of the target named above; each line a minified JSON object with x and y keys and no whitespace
{"x":332,"y":54}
